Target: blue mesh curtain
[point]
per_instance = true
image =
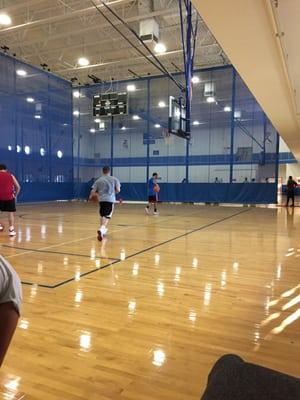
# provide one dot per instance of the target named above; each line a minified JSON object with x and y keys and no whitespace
{"x":231,"y":140}
{"x":167,"y":153}
{"x":211,"y":127}
{"x":36,"y":135}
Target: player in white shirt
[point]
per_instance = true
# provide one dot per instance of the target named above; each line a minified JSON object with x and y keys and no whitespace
{"x":10,"y":304}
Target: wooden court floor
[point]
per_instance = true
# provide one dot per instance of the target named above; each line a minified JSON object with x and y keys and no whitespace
{"x":145,"y":314}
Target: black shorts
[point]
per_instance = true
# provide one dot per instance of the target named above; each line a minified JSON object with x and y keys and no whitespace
{"x":106,"y":209}
{"x":152,"y":199}
{"x":8,"y":205}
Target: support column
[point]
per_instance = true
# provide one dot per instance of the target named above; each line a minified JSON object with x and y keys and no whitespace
{"x":233,"y":98}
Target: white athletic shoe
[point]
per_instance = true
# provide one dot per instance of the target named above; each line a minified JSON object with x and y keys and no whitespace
{"x":104,"y":231}
{"x":147,"y":211}
{"x":1,"y":228}
{"x":156,"y":213}
{"x":12,"y":232}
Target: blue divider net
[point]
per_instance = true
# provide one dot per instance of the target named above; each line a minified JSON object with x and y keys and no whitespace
{"x":36,"y":130}
{"x":233,"y":143}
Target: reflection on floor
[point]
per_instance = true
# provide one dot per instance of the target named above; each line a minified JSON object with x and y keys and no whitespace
{"x":146,"y":313}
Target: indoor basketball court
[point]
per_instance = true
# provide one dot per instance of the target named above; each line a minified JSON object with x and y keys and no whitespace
{"x":198,"y":255}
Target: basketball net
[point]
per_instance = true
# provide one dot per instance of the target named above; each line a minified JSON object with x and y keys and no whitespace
{"x":166,"y":135}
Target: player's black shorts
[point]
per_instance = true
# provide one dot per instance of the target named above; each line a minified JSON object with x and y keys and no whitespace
{"x":152,"y":199}
{"x":106,"y":209}
{"x":8,"y":205}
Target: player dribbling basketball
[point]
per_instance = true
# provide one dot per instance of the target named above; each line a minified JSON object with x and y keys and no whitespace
{"x":153,"y":190}
{"x":105,"y":188}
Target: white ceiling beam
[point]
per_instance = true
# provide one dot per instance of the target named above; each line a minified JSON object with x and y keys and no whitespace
{"x":80,"y":32}
{"x":60,"y":17}
{"x":252,"y":44}
{"x":121,"y":61}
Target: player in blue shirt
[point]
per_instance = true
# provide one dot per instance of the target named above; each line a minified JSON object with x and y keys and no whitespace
{"x":153,"y":190}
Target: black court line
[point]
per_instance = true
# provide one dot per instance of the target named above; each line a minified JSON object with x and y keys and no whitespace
{"x":37,"y":284}
{"x":70,"y":279}
{"x":58,"y":252}
{"x":153,"y":247}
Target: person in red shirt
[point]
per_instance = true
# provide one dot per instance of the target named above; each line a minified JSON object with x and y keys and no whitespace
{"x":9,"y":189}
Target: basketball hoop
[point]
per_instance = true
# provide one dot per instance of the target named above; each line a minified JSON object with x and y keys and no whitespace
{"x":166,"y":135}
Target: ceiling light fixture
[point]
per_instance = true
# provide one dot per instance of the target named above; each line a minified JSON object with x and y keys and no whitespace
{"x":30,"y":99}
{"x":135,"y":117}
{"x":76,"y":94}
{"x":210,"y":99}
{"x":5,"y":19}
{"x":196,"y":123}
{"x":83,"y":61}
{"x":161,"y":104}
{"x":227,"y":109}
{"x":21,"y":72}
{"x":160,"y":48}
{"x":131,"y":88}
{"x":195,"y":79}
{"x":157,"y":126}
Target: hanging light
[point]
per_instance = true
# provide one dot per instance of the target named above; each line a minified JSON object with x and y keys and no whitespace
{"x":5,"y":19}
{"x":211,"y":99}
{"x":160,"y":48}
{"x":21,"y":72}
{"x":83,"y":61}
{"x":131,"y":88}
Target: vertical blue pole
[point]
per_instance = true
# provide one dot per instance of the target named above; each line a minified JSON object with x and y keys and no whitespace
{"x":188,"y":68}
{"x":78,"y":147}
{"x":264,"y":139}
{"x":187,"y":155}
{"x":70,"y":122}
{"x":277,"y":163}
{"x":148,"y":129}
{"x":112,"y":145}
{"x":16,"y":161}
{"x":22,"y":152}
{"x":48,"y":130}
{"x":233,"y":97}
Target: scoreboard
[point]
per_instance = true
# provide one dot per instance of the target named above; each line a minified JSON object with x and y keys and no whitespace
{"x":110,"y":104}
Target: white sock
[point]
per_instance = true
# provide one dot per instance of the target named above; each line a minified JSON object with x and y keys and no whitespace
{"x":11,"y":228}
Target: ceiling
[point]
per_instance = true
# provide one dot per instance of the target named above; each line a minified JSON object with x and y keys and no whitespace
{"x":58,"y":32}
{"x":287,"y":17}
{"x":262,"y":42}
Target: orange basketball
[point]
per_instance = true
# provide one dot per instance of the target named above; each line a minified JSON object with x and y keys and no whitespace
{"x":156,"y":188}
{"x":94,"y":198}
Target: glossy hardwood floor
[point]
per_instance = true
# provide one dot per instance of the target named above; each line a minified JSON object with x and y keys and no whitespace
{"x":145,"y":314}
